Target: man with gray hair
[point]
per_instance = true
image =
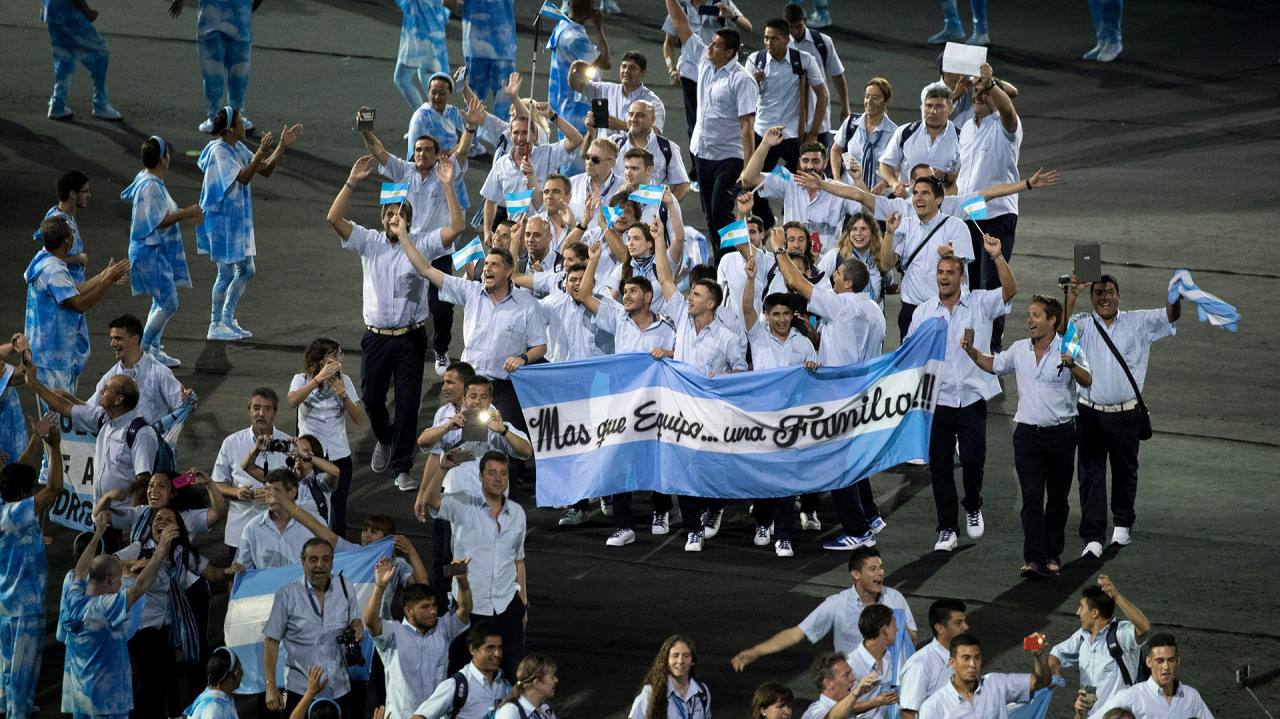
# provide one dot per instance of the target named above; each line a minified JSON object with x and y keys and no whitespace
{"x":933,"y":141}
{"x":833,"y":677}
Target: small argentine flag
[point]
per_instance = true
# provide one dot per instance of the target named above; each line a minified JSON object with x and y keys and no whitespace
{"x":734,"y":234}
{"x":1070,"y":339}
{"x":611,"y":214}
{"x":781,"y":171}
{"x":648,"y":194}
{"x":472,"y":252}
{"x":519,"y":203}
{"x":976,"y":208}
{"x":551,"y":11}
{"x":393,"y":193}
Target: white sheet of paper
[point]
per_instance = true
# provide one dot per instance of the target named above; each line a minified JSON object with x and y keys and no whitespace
{"x":963,"y":59}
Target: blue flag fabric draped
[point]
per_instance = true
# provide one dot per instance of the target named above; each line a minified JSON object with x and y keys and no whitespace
{"x":903,"y":648}
{"x":628,"y":422}
{"x":1210,"y":308}
{"x":1038,"y":707}
{"x":254,"y":591}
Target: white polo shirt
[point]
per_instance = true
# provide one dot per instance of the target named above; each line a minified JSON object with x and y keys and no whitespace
{"x":767,"y":351}
{"x":724,"y":96}
{"x":695,"y":704}
{"x":116,"y":465}
{"x":991,"y":700}
{"x":159,"y":392}
{"x":627,"y":335}
{"x":620,"y":102}
{"x":1147,"y":701}
{"x":426,"y":194}
{"x":394,"y":294}
{"x":492,"y":333}
{"x":852,"y":325}
{"x":1098,"y":668}
{"x":494,"y":546}
{"x":941,"y":153}
{"x":1132,"y":333}
{"x":989,"y":156}
{"x":920,"y":279}
{"x":664,"y":173}
{"x":821,"y":212}
{"x":1046,"y":396}
{"x":862,"y":664}
{"x":323,"y":415}
{"x":715,"y":349}
{"x":731,"y":273}
{"x":779,"y":99}
{"x":415,"y":661}
{"x":820,"y":708}
{"x":571,"y":330}
{"x":963,"y":382}
{"x":838,"y":614}
{"x":580,"y":188}
{"x":831,"y":66}
{"x":923,"y":674}
{"x":506,"y":176}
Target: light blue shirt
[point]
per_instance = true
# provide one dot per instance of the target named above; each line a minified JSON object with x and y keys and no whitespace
{"x":13,"y":429}
{"x":724,"y":96}
{"x":778,"y":102}
{"x":866,"y":148}
{"x":308,"y":633}
{"x":492,"y":333}
{"x":620,"y":104}
{"x":483,"y":696}
{"x":1147,"y":701}
{"x":77,"y":244}
{"x":941,"y":153}
{"x":116,"y":464}
{"x":212,"y":704}
{"x":695,"y":704}
{"x":819,"y":708}
{"x":767,"y":351}
{"x":569,"y":42}
{"x":991,"y":700}
{"x":233,"y":18}
{"x":494,"y":547}
{"x":394,"y":294}
{"x":823,"y":212}
{"x":627,"y":335}
{"x":1132,"y":333}
{"x":506,"y":176}
{"x":838,"y":614}
{"x":323,"y":415}
{"x":852,"y":325}
{"x":875,"y":279}
{"x":924,"y":673}
{"x":422,"y":37}
{"x":989,"y":156}
{"x":263,"y":545}
{"x":59,"y":335}
{"x":25,"y":577}
{"x":862,"y":664}
{"x":920,"y":278}
{"x":963,"y":383}
{"x":489,"y":30}
{"x":96,"y":678}
{"x":713,"y":350}
{"x":571,"y":330}
{"x":159,"y":392}
{"x":415,"y":661}
{"x":426,"y":194}
{"x":1098,"y":668}
{"x":227,"y":232}
{"x":1046,"y":395}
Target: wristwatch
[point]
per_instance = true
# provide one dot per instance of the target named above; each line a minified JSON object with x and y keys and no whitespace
{"x":524,"y":356}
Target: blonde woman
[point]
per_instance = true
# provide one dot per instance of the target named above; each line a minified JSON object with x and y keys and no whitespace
{"x":535,"y":684}
{"x":863,"y":241}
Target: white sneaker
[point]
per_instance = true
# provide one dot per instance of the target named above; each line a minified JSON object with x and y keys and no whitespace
{"x":159,"y":355}
{"x":606,"y":506}
{"x":711,"y":523}
{"x":1092,"y":549}
{"x":973,"y":524}
{"x":1121,"y":536}
{"x":1093,"y":54}
{"x":783,"y":548}
{"x":620,"y":538}
{"x":1109,"y":52}
{"x":381,"y":458}
{"x":947,"y":541}
{"x":221,"y":332}
{"x":59,"y":111}
{"x":248,"y":124}
{"x":406,"y":483}
{"x":694,"y":544}
{"x":206,"y":127}
{"x":235,"y":327}
{"x":809,"y":521}
{"x":917,"y":462}
{"x":573,"y":517}
{"x":107,"y":112}
{"x":762,"y":536}
{"x":442,"y":364}
{"x":659,"y":523}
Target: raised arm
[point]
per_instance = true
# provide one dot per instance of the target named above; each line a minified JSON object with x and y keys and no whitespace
{"x":1035,"y":182}
{"x":95,"y":288}
{"x":410,"y":552}
{"x":586,"y":289}
{"x":783,"y":639}
{"x":572,"y":138}
{"x":55,"y":401}
{"x":1040,"y":675}
{"x":887,"y":256}
{"x":374,"y":146}
{"x":250,"y":461}
{"x":999,"y":99}
{"x":420,"y":507}
{"x":1141,"y":625}
{"x":337,"y":212}
{"x":679,"y":20}
{"x":383,"y":571}
{"x":288,"y":136}
{"x":662,"y":263}
{"x":217,"y":500}
{"x":101,"y":521}
{"x":277,"y":498}
{"x":1008,"y":285}
{"x":411,"y":251}
{"x":432,"y":435}
{"x":749,"y":315}
{"x":815,"y":181}
{"x":148,"y":575}
{"x":752,"y":173}
{"x":676,"y":251}
{"x":446,"y":168}
{"x":984,"y":361}
{"x":792,"y":275}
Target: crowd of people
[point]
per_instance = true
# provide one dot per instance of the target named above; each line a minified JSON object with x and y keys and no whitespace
{"x":582,"y":250}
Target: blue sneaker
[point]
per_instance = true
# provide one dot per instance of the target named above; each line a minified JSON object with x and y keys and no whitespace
{"x":950,"y":33}
{"x":877,"y":524}
{"x":221,"y":332}
{"x":235,"y":327}
{"x":845,"y":543}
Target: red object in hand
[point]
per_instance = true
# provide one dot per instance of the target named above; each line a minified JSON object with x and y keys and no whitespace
{"x":183,"y":480}
{"x":815,"y":243}
{"x":1033,"y":643}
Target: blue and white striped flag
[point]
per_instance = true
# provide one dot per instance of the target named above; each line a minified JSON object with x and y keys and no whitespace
{"x":976,"y":207}
{"x":519,"y":203}
{"x":1070,"y":341}
{"x":472,"y":252}
{"x":781,"y":171}
{"x":551,"y":11}
{"x":611,"y":214}
{"x":393,"y":193}
{"x":254,"y":593}
{"x":1211,"y":308}
{"x":734,"y":234}
{"x":1038,"y":707}
{"x":648,"y":194}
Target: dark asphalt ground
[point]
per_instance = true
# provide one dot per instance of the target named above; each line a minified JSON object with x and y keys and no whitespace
{"x":1167,"y":157}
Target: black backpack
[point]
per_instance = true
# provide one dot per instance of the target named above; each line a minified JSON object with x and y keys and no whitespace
{"x":792,"y":54}
{"x":1117,"y":653}
{"x":815,"y":37}
{"x":165,"y":460}
{"x":461,"y":688}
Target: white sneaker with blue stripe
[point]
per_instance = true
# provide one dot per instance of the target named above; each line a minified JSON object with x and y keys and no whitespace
{"x":845,"y":543}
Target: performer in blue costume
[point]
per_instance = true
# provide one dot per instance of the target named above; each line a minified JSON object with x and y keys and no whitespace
{"x":422,"y":47}
{"x":74,"y":38}
{"x":224,"y":39}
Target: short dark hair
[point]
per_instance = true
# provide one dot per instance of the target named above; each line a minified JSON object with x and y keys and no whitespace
{"x":406,"y":209}
{"x":776,"y":298}
{"x":873,"y":619}
{"x":941,"y":610}
{"x":70,"y":181}
{"x":1104,"y":280}
{"x":54,"y":231}
{"x":572,"y":267}
{"x":964,"y":640}
{"x":464,"y":371}
{"x":478,"y":380}
{"x":16,"y":481}
{"x":732,"y":38}
{"x":129,"y":323}
{"x":433,"y":140}
{"x":703,"y":271}
{"x":315,"y":542}
{"x":935,"y":185}
{"x":283,"y":477}
{"x":150,"y":153}
{"x":1162,"y":640}
{"x":713,"y":287}
{"x":416,"y":593}
{"x":640,"y":281}
{"x":857,"y":273}
{"x":1052,"y":307}
{"x":266,"y":393}
{"x":794,"y":12}
{"x":558,"y":178}
{"x":755,"y":220}
{"x":380,"y":523}
{"x":219,"y":665}
{"x":492,"y":455}
{"x":481,"y":631}
{"x":778,"y":24}
{"x":920,"y":166}
{"x":957,"y":260}
{"x":823,"y":666}
{"x":317,"y":449}
{"x":638,"y":58}
{"x":859,"y":557}
{"x":814,"y":146}
{"x":507,"y":260}
{"x":579,"y":248}
{"x":1095,"y":598}
{"x":1118,"y":713}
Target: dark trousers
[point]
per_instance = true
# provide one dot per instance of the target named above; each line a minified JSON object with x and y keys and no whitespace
{"x":968,"y":425}
{"x":338,"y":502}
{"x":441,"y":554}
{"x":904,"y":320}
{"x":691,"y":509}
{"x":511,"y":623}
{"x":717,"y":178}
{"x":624,"y":518}
{"x":810,"y":502}
{"x":1044,"y":459}
{"x":399,"y":358}
{"x":155,"y":675}
{"x":779,"y":511}
{"x":1003,"y":227}
{"x":1104,"y":435}
{"x":441,"y":311}
{"x":787,"y":151}
{"x":689,"y":89}
{"x":504,"y":398}
{"x":855,"y":507}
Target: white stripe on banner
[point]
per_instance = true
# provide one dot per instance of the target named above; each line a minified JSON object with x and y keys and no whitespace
{"x":245,"y":619}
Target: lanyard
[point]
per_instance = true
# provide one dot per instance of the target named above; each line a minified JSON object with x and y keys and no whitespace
{"x":680,"y":707}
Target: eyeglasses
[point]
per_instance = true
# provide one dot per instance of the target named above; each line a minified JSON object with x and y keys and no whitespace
{"x":595,"y":159}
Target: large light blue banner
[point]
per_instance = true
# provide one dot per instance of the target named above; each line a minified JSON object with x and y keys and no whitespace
{"x":629,"y":422}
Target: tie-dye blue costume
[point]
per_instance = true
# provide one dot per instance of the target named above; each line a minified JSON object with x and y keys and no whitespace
{"x":227,"y":233}
{"x":73,"y":39}
{"x":489,"y":48}
{"x":77,"y":244}
{"x":157,"y":261}
{"x":13,"y":431}
{"x":96,"y":679}
{"x":569,"y":42}
{"x":23,"y":582}
{"x":212,"y":704}
{"x":422,"y":46}
{"x":224,"y":38}
{"x":59,"y":335}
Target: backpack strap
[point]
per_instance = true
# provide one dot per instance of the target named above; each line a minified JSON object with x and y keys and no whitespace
{"x":759,"y":59}
{"x":815,"y":37}
{"x":131,"y":434}
{"x":1113,"y":648}
{"x":664,"y":145}
{"x":921,"y":246}
{"x":460,"y":690}
{"x":907,"y":132}
{"x":797,"y":67}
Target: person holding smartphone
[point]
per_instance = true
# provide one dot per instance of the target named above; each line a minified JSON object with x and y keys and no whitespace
{"x":961,"y":696}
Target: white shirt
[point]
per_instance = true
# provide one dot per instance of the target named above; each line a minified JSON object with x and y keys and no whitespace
{"x":664,"y":173}
{"x":862,"y":664}
{"x":116,"y":465}
{"x":571,"y":330}
{"x":820,"y":708}
{"x":1132,"y":333}
{"x":494,"y":547}
{"x":263,"y":545}
{"x":731,"y":273}
{"x":323,"y":415}
{"x":227,"y":471}
{"x":155,"y":610}
{"x":159,"y":392}
{"x":466,"y":476}
{"x":1147,"y":701}
{"x":492,"y":333}
{"x":852,"y":325}
{"x":415,"y":661}
{"x":1098,"y":668}
{"x":483,"y":696}
{"x":620,"y":102}
{"x":395,"y":295}
{"x":715,"y":349}
{"x":1046,"y":396}
{"x":859,"y":144}
{"x":779,"y":99}
{"x":923,"y":674}
{"x":506,"y":176}
{"x":308,"y":633}
{"x":426,"y":194}
{"x":963,"y":383}
{"x":831,"y":66}
{"x":941,"y":153}
{"x":823,"y":213}
{"x":696,"y":702}
{"x":961,"y":110}
{"x":767,"y":351}
{"x":523,"y":709}
{"x":627,"y":335}
{"x":580,"y":188}
{"x":704,"y":28}
{"x":989,"y":156}
{"x":990,"y":701}
{"x":839,"y":614}
{"x":920,"y":280}
{"x":724,"y":96}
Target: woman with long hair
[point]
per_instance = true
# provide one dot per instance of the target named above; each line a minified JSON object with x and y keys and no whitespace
{"x":671,"y":676}
{"x":863,"y":240}
{"x":325,"y":399}
{"x":224,"y":673}
{"x":535,"y":684}
{"x":771,"y":701}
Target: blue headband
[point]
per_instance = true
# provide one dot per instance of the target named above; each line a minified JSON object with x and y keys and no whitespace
{"x":160,"y":141}
{"x":323,"y":699}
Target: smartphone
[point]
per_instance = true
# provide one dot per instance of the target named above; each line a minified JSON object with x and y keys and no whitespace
{"x":364,"y":119}
{"x":815,"y":243}
{"x":462,"y":455}
{"x":1032,"y":643}
{"x":600,"y":113}
{"x":183,"y":480}
{"x":709,"y":9}
{"x":454,"y":569}
{"x":477,"y":427}
{"x":968,"y":335}
{"x":1090,"y":695}
{"x":1088,"y":262}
